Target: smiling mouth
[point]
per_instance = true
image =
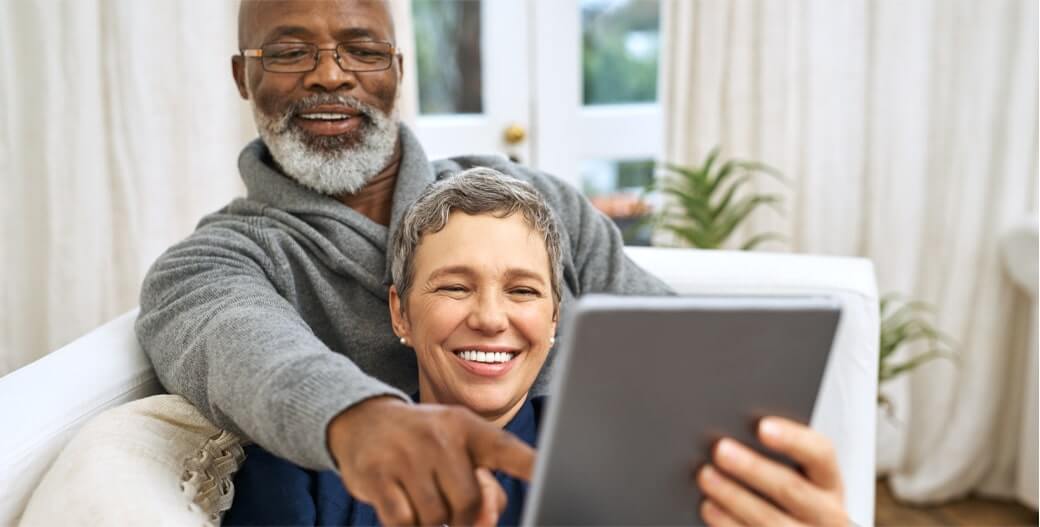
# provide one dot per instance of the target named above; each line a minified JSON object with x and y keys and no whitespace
{"x":325,"y":116}
{"x":485,"y":357}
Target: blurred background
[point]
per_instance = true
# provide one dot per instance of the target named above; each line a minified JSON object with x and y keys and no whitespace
{"x":904,"y":132}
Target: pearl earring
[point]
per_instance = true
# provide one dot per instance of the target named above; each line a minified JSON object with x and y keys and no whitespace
{"x":552,"y":341}
{"x":404,"y":341}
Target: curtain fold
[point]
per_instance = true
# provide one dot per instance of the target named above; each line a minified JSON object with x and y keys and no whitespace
{"x":120,"y":127}
{"x":907,"y":132}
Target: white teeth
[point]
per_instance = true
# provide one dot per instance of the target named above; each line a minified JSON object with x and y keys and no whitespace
{"x":324,"y":116}
{"x":486,"y":357}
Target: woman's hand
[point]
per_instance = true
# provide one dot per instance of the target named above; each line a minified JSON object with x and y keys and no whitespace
{"x":812,"y":497}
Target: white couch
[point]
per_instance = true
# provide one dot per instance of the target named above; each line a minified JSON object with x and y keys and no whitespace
{"x":44,"y":403}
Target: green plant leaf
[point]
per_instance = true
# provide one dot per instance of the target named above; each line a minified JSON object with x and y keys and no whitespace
{"x":749,"y":168}
{"x":691,"y":178}
{"x":902,"y":323}
{"x":761,"y":238}
{"x":709,"y":161}
{"x":755,"y":166}
{"x":908,"y":307}
{"x":728,"y":196}
{"x":694,"y":237}
{"x":714,"y":183}
{"x":695,"y":209}
{"x":895,"y":335}
{"x":891,"y":371}
{"x":740,"y":211}
{"x":705,"y":205}
{"x":901,"y":340}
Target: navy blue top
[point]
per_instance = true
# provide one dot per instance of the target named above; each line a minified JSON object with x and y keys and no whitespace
{"x":272,"y":491}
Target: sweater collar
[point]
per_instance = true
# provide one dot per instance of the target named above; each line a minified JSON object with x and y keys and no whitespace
{"x":266,"y":184}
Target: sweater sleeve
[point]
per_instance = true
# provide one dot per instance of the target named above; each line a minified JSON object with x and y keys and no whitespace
{"x":596,"y":247}
{"x":219,"y":333}
{"x":600,"y":262}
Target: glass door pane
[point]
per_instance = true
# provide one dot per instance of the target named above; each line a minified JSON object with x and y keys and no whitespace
{"x":620,"y":48}
{"x":620,"y":120}
{"x":447,"y":47}
{"x":472,"y":61}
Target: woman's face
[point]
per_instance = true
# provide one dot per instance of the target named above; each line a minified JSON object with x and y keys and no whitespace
{"x":480,"y":313}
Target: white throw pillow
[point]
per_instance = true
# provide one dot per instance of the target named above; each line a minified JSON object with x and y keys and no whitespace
{"x":154,"y":461}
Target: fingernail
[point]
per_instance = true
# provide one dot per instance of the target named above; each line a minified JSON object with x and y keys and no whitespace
{"x":728,"y":450}
{"x":709,"y":475}
{"x":770,"y":428}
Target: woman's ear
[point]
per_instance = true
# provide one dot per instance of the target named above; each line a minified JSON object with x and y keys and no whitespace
{"x":397,"y":318}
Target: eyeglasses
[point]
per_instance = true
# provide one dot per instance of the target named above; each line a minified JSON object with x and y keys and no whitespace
{"x":301,"y":57}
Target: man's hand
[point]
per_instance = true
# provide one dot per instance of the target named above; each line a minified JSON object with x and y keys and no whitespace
{"x":420,"y":464}
{"x":812,"y":498}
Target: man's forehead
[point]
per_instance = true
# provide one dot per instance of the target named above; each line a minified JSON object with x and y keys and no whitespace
{"x":257,"y":19}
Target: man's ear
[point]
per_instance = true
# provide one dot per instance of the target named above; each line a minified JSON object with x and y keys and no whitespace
{"x":397,"y":318}
{"x":238,"y":71}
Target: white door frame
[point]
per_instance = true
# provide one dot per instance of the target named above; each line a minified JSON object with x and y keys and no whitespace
{"x":504,"y":71}
{"x":566,"y":132}
{"x":531,"y":55}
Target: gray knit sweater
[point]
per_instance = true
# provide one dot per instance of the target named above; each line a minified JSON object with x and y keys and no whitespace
{"x":272,"y":316}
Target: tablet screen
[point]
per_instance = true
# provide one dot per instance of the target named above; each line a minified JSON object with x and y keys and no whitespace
{"x":645,"y":386}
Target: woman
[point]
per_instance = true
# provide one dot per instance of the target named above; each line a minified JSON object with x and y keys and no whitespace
{"x":476,"y":293}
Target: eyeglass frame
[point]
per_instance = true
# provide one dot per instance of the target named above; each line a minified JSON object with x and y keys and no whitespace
{"x":258,"y":53}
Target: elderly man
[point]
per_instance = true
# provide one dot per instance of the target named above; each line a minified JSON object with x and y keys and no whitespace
{"x":272,"y":317}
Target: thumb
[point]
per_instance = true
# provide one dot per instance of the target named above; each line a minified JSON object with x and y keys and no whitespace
{"x":496,"y":449}
{"x":492,"y":498}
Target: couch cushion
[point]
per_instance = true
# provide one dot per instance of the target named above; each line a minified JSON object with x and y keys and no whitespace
{"x":154,"y":461}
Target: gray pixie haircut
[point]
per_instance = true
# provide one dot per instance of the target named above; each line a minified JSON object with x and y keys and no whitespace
{"x":474,"y":191}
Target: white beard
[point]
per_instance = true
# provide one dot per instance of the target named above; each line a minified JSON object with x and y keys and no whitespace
{"x":330,"y":165}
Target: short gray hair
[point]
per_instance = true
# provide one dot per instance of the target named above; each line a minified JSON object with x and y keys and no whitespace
{"x":475,"y":191}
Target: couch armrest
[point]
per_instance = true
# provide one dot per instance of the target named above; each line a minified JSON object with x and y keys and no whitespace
{"x":46,"y":401}
{"x":846,"y":408}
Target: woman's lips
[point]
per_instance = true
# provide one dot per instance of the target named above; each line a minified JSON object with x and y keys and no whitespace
{"x":487,"y":369}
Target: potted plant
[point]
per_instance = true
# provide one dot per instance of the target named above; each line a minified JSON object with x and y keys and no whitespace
{"x":903,"y":323}
{"x":708,"y":202}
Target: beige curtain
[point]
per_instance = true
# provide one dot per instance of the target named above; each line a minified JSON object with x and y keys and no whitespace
{"x":908,"y":134}
{"x":119,"y":128}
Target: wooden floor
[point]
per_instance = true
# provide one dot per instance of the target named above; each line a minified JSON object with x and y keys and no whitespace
{"x":969,"y":511}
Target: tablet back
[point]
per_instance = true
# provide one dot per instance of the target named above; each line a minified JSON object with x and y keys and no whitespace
{"x":646,"y":385}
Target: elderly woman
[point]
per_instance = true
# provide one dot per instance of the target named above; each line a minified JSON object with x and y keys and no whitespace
{"x":476,"y":293}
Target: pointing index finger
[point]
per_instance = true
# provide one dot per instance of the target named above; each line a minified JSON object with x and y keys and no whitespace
{"x":496,"y":449}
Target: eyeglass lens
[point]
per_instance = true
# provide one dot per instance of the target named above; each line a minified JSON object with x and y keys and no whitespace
{"x":290,"y":57}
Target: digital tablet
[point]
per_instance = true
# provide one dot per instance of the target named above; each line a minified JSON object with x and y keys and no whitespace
{"x":645,"y":386}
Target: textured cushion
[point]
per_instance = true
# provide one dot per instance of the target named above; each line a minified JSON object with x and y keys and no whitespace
{"x":56,"y":395}
{"x":154,"y":461}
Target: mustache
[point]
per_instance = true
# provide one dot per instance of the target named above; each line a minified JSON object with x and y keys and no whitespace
{"x":318,"y":99}
{"x":295,"y":108}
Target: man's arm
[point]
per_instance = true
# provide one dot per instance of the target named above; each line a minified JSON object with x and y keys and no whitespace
{"x":219,"y":333}
{"x":597,"y":248}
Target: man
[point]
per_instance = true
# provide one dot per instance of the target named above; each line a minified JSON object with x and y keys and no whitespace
{"x":272,"y":317}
